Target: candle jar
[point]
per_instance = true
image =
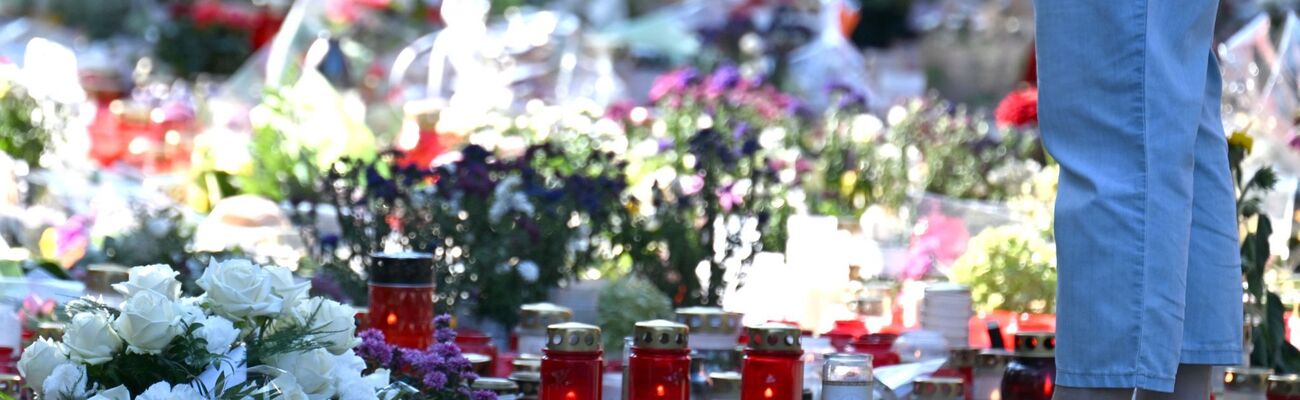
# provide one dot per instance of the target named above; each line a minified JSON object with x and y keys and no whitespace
{"x":473,"y":341}
{"x":529,"y":383}
{"x":11,"y":385}
{"x":401,"y":298}
{"x":1240,"y":383}
{"x":1284,"y":387}
{"x":847,"y":376}
{"x":526,"y":363}
{"x":772,"y":368}
{"x":961,"y":364}
{"x":503,"y":388}
{"x":939,"y":388}
{"x":530,"y":334}
{"x":1032,"y":370}
{"x":881,"y":348}
{"x":989,"y":367}
{"x":723,"y":386}
{"x":660,"y":363}
{"x":713,"y":344}
{"x":481,"y":364}
{"x":571,"y":364}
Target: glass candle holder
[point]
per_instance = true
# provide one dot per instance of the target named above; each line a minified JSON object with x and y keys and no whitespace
{"x":401,"y":298}
{"x":660,"y":363}
{"x":11,"y":385}
{"x":847,"y":376}
{"x":939,"y":388}
{"x":714,"y":334}
{"x":529,"y":382}
{"x":571,"y":364}
{"x":530,"y":334}
{"x":1032,"y":370}
{"x":503,"y":388}
{"x":989,"y":367}
{"x":772,"y":368}
{"x":1240,"y":383}
{"x":1284,"y":387}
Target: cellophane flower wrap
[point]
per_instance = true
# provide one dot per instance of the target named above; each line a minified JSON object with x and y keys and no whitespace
{"x":253,"y":334}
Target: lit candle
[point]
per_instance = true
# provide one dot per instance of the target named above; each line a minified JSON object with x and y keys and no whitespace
{"x":772,"y":368}
{"x":1032,"y":370}
{"x":938,"y":388}
{"x":401,"y":298}
{"x":571,"y":364}
{"x":660,"y":361}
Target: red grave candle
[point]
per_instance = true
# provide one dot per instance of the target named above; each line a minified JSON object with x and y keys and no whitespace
{"x":1284,"y":387}
{"x":772,"y":368}
{"x":659,"y":367}
{"x":1031,"y":374}
{"x":401,"y":298}
{"x":571,"y":362}
{"x":961,"y":364}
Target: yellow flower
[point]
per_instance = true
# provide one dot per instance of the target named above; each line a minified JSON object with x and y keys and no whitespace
{"x":1242,"y":140}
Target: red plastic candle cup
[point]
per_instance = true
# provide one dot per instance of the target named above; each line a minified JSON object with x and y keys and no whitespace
{"x":571,"y":363}
{"x":772,"y":368}
{"x":961,"y":364}
{"x":659,"y":367}
{"x":1284,"y":387}
{"x":939,"y":388}
{"x":1031,"y":374}
{"x":401,"y":298}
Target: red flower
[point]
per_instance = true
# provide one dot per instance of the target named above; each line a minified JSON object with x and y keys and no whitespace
{"x":1020,"y":108}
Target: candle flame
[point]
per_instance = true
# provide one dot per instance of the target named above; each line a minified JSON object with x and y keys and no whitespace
{"x":571,"y":395}
{"x":767,"y":394}
{"x":1047,"y":387}
{"x":392,"y":319}
{"x":660,"y":390}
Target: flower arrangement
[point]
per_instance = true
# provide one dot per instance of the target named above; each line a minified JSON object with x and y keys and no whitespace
{"x":1009,"y":268}
{"x":440,"y":372}
{"x":852,"y":162}
{"x":254,"y":334}
{"x":23,"y":135}
{"x":207,"y":37}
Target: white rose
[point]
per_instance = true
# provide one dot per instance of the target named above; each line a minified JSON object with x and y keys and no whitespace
{"x":336,"y":322}
{"x":165,"y":391}
{"x":283,"y":285}
{"x":184,"y":392}
{"x":239,"y":289}
{"x":68,"y":382}
{"x":90,"y":338}
{"x":39,"y":360}
{"x":189,"y":309}
{"x":312,"y":369}
{"x":285,"y":387}
{"x":117,"y":393}
{"x":219,"y":332}
{"x":355,"y":387}
{"x":148,"y":322}
{"x":157,"y":278}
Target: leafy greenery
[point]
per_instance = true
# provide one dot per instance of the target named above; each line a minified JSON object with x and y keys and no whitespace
{"x":624,"y":303}
{"x":22,"y":134}
{"x":1009,"y":268}
{"x":191,"y":48}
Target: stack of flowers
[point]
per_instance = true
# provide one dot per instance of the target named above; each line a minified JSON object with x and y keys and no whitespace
{"x":254,"y":334}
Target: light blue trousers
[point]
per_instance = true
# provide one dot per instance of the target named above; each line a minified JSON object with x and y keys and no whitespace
{"x":1146,"y":229}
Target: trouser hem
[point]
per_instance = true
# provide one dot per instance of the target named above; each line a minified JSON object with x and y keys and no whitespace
{"x":1212,"y":357}
{"x":1119,"y":381}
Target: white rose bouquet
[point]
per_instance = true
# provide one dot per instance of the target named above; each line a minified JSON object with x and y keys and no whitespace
{"x":255,"y":334}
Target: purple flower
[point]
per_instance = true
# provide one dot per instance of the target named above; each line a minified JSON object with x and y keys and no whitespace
{"x":723,"y":79}
{"x":374,"y":349}
{"x":435,"y":379}
{"x":483,"y":395}
{"x":729,"y":197}
{"x":671,"y":83}
{"x":1295,"y":142}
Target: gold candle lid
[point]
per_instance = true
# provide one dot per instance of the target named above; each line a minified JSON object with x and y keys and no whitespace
{"x":538,"y":316}
{"x":573,"y":337}
{"x":526,"y":362}
{"x":10,"y":384}
{"x":495,"y":385}
{"x":709,"y":320}
{"x":50,"y":330}
{"x":963,"y":357}
{"x":775,"y":336}
{"x":660,"y":334}
{"x":1246,"y":379}
{"x":1036,"y":344}
{"x":936,"y":388}
{"x":523,"y":377}
{"x":1284,"y":385}
{"x":992,"y":359}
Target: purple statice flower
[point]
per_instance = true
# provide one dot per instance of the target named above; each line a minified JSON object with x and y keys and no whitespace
{"x":374,"y":349}
{"x":725,"y":78}
{"x":435,"y":379}
{"x":483,"y":395}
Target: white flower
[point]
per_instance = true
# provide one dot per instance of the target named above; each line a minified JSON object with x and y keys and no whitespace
{"x":352,"y":386}
{"x":117,"y":393}
{"x":165,"y":391}
{"x":528,"y":270}
{"x":68,"y":382}
{"x":506,"y":198}
{"x":90,"y":338}
{"x":287,"y":388}
{"x":39,"y":360}
{"x":219,"y":332}
{"x":283,"y":285}
{"x":239,"y":289}
{"x":336,"y":322}
{"x":189,"y":309}
{"x":157,"y":278}
{"x":148,"y":322}
{"x":313,"y":370}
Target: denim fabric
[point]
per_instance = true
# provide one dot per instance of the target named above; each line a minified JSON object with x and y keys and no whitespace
{"x":1149,"y":272}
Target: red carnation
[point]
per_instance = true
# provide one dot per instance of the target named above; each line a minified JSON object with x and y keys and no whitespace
{"x":1018,"y":109}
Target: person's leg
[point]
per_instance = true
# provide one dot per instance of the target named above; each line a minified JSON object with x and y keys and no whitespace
{"x":1121,"y":86}
{"x":1193,"y":383}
